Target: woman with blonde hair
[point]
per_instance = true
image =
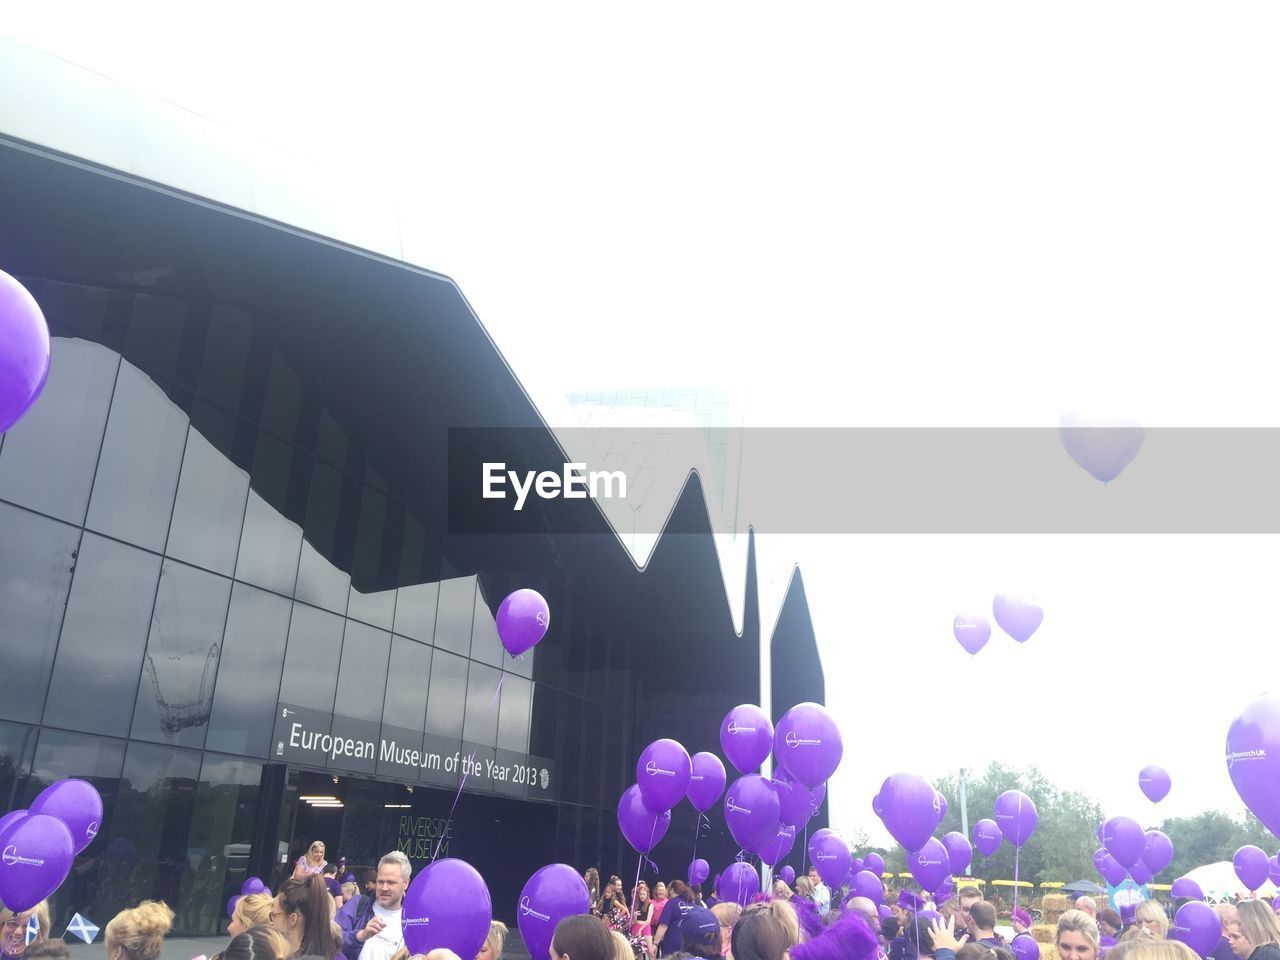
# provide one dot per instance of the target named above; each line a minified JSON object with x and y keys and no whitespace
{"x":138,"y":934}
{"x":1255,"y":935}
{"x":1150,"y":949}
{"x":303,"y":912}
{"x":728,"y":914}
{"x":252,"y":910}
{"x":492,"y":949}
{"x":1077,"y":936}
{"x":13,"y":928}
{"x":761,"y":933}
{"x":256,"y":943}
{"x":312,"y":862}
{"x":1152,"y":918}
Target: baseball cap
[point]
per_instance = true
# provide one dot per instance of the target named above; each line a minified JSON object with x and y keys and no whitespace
{"x":700,"y":928}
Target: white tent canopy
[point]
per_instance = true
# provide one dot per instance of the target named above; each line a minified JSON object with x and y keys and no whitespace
{"x":1220,"y":883}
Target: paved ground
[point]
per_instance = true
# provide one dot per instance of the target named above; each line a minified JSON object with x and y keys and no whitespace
{"x":184,"y":948}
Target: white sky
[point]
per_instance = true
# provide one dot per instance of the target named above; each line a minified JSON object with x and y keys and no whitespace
{"x":874,"y":214}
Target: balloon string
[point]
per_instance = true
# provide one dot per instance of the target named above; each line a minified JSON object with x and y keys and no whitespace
{"x":465,"y":771}
{"x":1017,"y":852}
{"x":635,"y":891}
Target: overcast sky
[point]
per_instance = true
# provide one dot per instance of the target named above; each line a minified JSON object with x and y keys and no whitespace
{"x":889,"y":214}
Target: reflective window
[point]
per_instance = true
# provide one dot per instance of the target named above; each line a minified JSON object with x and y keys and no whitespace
{"x":513,"y":714}
{"x":485,"y":645}
{"x":153,"y":815}
{"x":374,"y":563}
{"x":482,"y":705}
{"x":447,"y":697}
{"x":453,"y":619}
{"x":76,"y":310}
{"x":321,"y":583}
{"x":138,"y":471}
{"x":95,"y":675}
{"x":315,"y":645}
{"x":225,"y":357}
{"x":36,"y":559}
{"x":269,"y":547}
{"x":48,"y":459}
{"x":331,"y":442}
{"x":283,"y":401}
{"x":543,"y":721}
{"x":408,"y":677}
{"x":218,"y":842}
{"x":416,"y":611}
{"x":244,"y":700}
{"x":17,"y":744}
{"x":154,"y":340}
{"x":181,"y":662}
{"x":209,"y":509}
{"x":362,"y":676}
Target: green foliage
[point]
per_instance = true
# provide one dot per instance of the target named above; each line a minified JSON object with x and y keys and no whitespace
{"x":1209,"y":837}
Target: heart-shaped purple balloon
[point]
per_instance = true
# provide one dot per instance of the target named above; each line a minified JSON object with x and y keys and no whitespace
{"x":1017,"y":617}
{"x":1102,"y":446}
{"x":746,"y":737}
{"x":706,"y":782}
{"x":1154,"y":782}
{"x":972,"y":632}
{"x":987,"y":837}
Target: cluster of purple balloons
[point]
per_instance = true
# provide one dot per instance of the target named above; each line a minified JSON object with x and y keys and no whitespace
{"x":1128,"y":850}
{"x":41,"y":842}
{"x":1017,"y":617}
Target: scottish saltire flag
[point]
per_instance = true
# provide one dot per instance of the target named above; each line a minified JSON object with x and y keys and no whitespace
{"x":85,"y":929}
{"x":33,"y":928}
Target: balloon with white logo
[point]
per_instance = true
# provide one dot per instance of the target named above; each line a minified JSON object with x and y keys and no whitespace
{"x":807,"y":744}
{"x":698,"y":872}
{"x":746,"y":736}
{"x":556,"y":891}
{"x":1016,"y":816}
{"x":751,"y":810}
{"x":447,"y":905}
{"x":36,"y":852}
{"x":930,"y":864}
{"x":523,"y":620}
{"x":1253,"y":759}
{"x":832,"y":857}
{"x":76,"y":803}
{"x":663,"y":773}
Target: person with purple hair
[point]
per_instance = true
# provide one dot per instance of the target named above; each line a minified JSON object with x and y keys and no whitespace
{"x":851,"y":937}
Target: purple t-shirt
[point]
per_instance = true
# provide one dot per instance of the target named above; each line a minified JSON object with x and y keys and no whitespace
{"x":672,"y":914}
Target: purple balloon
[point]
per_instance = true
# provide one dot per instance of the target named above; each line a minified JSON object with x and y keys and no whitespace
{"x":1159,"y":851}
{"x":885,"y":911}
{"x":1253,"y":759}
{"x":738,"y":884}
{"x":1154,"y":782}
{"x":38,"y":851}
{"x":556,"y":891}
{"x":642,"y":829}
{"x":972,"y":632}
{"x":1197,"y":925}
{"x":1186,"y":888}
{"x":24,"y":351}
{"x":11,"y":817}
{"x":447,"y":905}
{"x":793,"y":800}
{"x":1124,"y":840}
{"x":807,"y":744}
{"x":1024,"y":947}
{"x":76,"y":803}
{"x":959,"y":851}
{"x":699,"y":870}
{"x":1017,"y":817}
{"x":1102,"y":829}
{"x":867,"y":884}
{"x":1273,"y":870}
{"x":706,"y":782}
{"x":857,"y":866}
{"x":523,"y":619}
{"x":777,"y":848}
{"x":987,"y":837}
{"x":875,"y":863}
{"x":1111,"y":871}
{"x":751,"y":810}
{"x":746,"y":736}
{"x":663,"y":774}
{"x":1017,"y":617}
{"x":1140,"y":873}
{"x":945,"y":890}
{"x":831,"y":855}
{"x":253,"y":885}
{"x":930,"y":864}
{"x":926,"y":917}
{"x":231,"y":905}
{"x":788,"y":875}
{"x":816,"y":796}
{"x":912,"y":809}
{"x":1103,"y":447}
{"x":876,"y":807}
{"x":1251,"y":866}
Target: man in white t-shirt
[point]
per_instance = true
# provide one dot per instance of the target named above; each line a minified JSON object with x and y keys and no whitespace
{"x":821,"y":895}
{"x":376,"y":932}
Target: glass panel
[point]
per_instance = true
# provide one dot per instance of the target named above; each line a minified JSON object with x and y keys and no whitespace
{"x":482,"y":705}
{"x":448,"y":696}
{"x":17,"y":743}
{"x":377,"y":608}
{"x":218,"y":843}
{"x":95,"y":675}
{"x":269,"y":547}
{"x":485,"y":645}
{"x":373,"y":557}
{"x":225,"y":357}
{"x":543,"y":723}
{"x":152,"y":818}
{"x":407,"y":679}
{"x":272,"y":470}
{"x":453,"y":619}
{"x":48,"y":459}
{"x":181,"y":661}
{"x":37,"y":556}
{"x":210,"y":507}
{"x":320,"y":582}
{"x":513,"y":716}
{"x":244,"y":701}
{"x":283,"y":400}
{"x":315,"y":644}
{"x":155,"y":335}
{"x":141,"y":456}
{"x":362,"y":676}
{"x":331,"y":444}
{"x":416,"y":611}
{"x":76,"y":310}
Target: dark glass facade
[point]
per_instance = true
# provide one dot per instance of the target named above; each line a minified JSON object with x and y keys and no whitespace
{"x":227,"y":582}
